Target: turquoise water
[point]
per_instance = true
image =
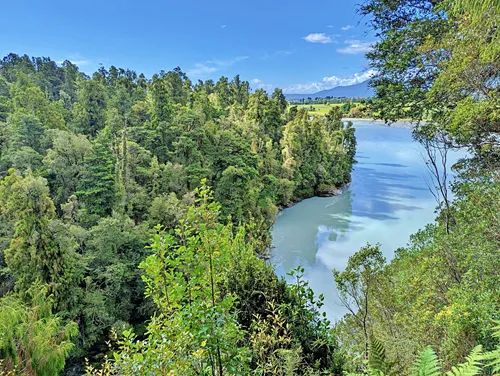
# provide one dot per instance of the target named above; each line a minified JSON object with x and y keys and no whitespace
{"x":387,"y":201}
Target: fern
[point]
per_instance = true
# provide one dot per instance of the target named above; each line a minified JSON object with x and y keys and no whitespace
{"x":427,"y":364}
{"x":377,"y":364}
{"x":493,"y":357}
{"x":493,"y":360}
{"x":472,"y":365}
{"x":376,"y":372}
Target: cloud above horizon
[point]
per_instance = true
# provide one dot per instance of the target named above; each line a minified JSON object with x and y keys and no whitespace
{"x":212,"y":66}
{"x":347,"y":27}
{"x":355,"y":46}
{"x":326,"y":83}
{"x":318,"y":38}
{"x":329,"y":82}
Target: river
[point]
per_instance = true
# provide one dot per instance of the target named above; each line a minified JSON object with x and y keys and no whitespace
{"x":386,"y":202}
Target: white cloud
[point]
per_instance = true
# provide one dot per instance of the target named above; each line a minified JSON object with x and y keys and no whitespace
{"x":318,"y":38}
{"x":223,"y":26}
{"x":226,"y":63}
{"x":276,"y":54}
{"x":355,"y":46}
{"x":212,"y":66}
{"x":347,"y":27}
{"x":200,"y":70}
{"x":356,"y":78}
{"x":76,"y":59}
{"x":329,"y":83}
{"x":326,"y":83}
{"x":283,"y":52}
{"x":259,"y":84}
{"x":80,"y":63}
{"x":330,"y":26}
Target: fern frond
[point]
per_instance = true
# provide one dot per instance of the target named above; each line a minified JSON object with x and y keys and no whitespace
{"x":496,"y":330}
{"x":493,"y":360}
{"x":375,"y":372}
{"x":376,"y":357}
{"x":472,"y":365}
{"x":493,"y":357}
{"x":427,"y":364}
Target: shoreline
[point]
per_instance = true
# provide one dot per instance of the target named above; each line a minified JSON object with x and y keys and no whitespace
{"x":335,"y":191}
{"x":397,"y":124}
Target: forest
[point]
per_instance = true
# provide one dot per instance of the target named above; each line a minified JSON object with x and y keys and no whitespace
{"x":136,"y":215}
{"x":95,"y":168}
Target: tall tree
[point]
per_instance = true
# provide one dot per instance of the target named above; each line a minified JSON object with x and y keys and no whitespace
{"x":356,"y":284}
{"x":97,"y":186}
{"x":89,"y":112}
{"x":38,"y":250}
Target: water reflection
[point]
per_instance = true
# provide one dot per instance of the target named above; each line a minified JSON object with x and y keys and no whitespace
{"x":297,"y":220}
{"x":387,"y":201}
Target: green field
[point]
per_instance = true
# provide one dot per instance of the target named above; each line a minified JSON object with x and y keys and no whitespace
{"x":318,"y":109}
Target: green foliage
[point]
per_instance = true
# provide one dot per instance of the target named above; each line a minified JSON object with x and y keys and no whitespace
{"x":66,"y":160}
{"x":427,"y":364}
{"x":318,"y":154}
{"x":356,"y":285}
{"x":205,"y":280}
{"x":183,"y":277}
{"x":471,"y":367}
{"x":89,"y":111}
{"x":376,"y":359}
{"x":493,"y":357}
{"x":437,"y":65}
{"x":89,"y":165}
{"x":113,"y":286}
{"x":38,"y":250}
{"x":97,"y":185}
{"x":32,"y":340}
{"x":97,"y":162}
{"x":438,"y":62}
{"x":166,"y":211}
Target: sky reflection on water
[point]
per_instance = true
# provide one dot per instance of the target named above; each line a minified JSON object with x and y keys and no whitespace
{"x":387,"y":201}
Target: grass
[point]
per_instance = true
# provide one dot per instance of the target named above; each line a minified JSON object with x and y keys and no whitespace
{"x":319,"y":109}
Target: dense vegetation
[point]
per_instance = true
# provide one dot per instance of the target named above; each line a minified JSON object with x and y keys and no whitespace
{"x":134,"y":212}
{"x":437,"y":61}
{"x":90,"y":166}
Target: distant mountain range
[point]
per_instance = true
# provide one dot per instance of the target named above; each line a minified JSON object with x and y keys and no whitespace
{"x":361,"y":90}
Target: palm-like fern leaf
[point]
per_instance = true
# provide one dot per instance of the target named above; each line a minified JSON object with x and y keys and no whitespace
{"x":376,"y":359}
{"x":427,"y":364}
{"x":472,"y":365}
{"x":493,"y":357}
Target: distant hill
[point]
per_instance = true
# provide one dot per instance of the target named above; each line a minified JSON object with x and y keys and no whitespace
{"x":361,"y":90}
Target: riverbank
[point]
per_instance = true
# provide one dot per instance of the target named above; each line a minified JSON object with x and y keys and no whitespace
{"x":387,"y":201}
{"x":397,"y":124}
{"x":331,"y":192}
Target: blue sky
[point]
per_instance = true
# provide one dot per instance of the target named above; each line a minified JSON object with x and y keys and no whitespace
{"x":299,"y":46}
